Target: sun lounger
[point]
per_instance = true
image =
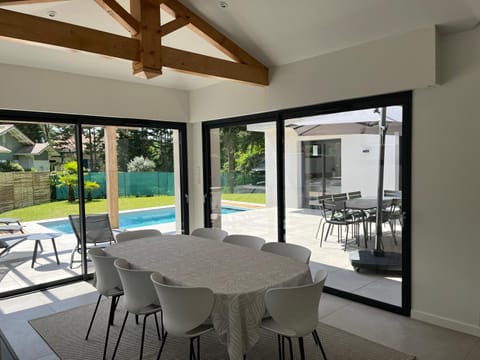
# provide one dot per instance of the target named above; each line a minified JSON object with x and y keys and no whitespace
{"x":8,"y":221}
{"x":11,"y":228}
{"x":9,"y":241}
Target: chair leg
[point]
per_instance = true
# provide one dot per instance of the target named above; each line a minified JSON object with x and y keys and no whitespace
{"x":120,"y":335}
{"x":93,"y":316}
{"x":158,"y":329}
{"x":315,"y":334}
{"x":109,"y":323}
{"x":290,"y":347}
{"x":163,"y":344}
{"x":113,"y":306}
{"x":71,"y":257}
{"x":198,"y":348}
{"x":143,"y":336}
{"x":279,"y":341}
{"x":302,"y":349}
{"x":192,"y":352}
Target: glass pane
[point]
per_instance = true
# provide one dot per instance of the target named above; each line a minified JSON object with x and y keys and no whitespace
{"x":243,"y":179}
{"x":34,"y":186}
{"x":339,"y":155}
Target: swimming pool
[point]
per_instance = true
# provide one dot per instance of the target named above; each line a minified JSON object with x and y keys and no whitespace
{"x":133,"y":219}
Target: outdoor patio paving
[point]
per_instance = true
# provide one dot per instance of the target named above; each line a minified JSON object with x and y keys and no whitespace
{"x":16,"y":271}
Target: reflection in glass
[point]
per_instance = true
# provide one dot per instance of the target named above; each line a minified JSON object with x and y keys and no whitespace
{"x":337,"y":154}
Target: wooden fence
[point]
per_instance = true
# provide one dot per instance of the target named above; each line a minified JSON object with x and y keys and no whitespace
{"x":21,"y":189}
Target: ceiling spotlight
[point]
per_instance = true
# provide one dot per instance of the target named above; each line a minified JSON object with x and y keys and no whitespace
{"x":222,"y":4}
{"x":52,"y":13}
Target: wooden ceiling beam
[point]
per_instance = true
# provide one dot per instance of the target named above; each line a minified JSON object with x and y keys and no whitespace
{"x":24,"y":2}
{"x":33,"y":28}
{"x":144,"y":48}
{"x":174,"y":25}
{"x":189,"y":62}
{"x":210,"y":34}
{"x":121,"y":15}
{"x":150,"y":37}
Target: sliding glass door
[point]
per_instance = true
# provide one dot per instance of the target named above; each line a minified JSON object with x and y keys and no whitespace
{"x":133,"y":173}
{"x":349,"y":158}
{"x":242,"y":191}
{"x":340,"y":176}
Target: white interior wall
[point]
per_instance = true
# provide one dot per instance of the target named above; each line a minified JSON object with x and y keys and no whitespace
{"x":31,"y":89}
{"x":445,"y":192}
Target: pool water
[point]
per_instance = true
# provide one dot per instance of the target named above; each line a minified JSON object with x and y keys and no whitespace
{"x":133,"y":219}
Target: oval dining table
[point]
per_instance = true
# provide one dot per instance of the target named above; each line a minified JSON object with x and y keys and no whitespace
{"x":238,"y":276}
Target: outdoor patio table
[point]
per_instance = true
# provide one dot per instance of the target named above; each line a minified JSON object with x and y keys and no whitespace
{"x":38,"y":237}
{"x":364,"y":204}
{"x":238,"y":276}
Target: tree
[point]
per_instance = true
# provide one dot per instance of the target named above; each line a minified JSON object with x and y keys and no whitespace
{"x":242,"y":150}
{"x":11,"y":166}
{"x":140,"y":164}
{"x":90,"y":186}
{"x":69,"y":178}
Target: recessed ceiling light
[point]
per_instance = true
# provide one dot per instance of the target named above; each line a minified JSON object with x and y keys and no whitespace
{"x":52,"y":13}
{"x":222,"y":4}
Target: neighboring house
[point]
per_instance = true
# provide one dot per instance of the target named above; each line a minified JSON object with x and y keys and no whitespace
{"x":15,"y":146}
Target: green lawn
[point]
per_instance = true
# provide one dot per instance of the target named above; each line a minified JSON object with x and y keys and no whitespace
{"x":258,"y":198}
{"x":63,"y":208}
{"x":58,"y":209}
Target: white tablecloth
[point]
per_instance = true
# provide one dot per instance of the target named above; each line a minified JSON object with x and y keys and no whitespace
{"x":237,"y":275}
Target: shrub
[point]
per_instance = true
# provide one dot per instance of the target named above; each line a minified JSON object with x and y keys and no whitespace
{"x":140,"y":164}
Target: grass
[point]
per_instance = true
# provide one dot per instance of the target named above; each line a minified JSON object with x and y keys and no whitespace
{"x":60,"y":209}
{"x":258,"y":198}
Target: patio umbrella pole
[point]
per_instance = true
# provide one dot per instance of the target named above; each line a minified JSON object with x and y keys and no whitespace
{"x":382,"y":129}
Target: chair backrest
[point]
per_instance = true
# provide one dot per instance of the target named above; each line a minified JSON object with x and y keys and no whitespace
{"x":184,"y":308}
{"x":107,"y":280}
{"x":340,"y":196}
{"x":137,"y":234}
{"x":250,"y":241}
{"x":210,"y":233}
{"x":137,"y":287}
{"x":354,"y":194}
{"x":293,"y":251}
{"x":392,"y":193}
{"x":296,"y":308}
{"x":98,"y":228}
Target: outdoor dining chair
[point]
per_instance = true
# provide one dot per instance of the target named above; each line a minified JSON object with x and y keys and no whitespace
{"x":108,"y":284}
{"x":98,"y":232}
{"x":294,"y":313}
{"x":354,"y":195}
{"x":335,"y":214}
{"x":185,"y":311}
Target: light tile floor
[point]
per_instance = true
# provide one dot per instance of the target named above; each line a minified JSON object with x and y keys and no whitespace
{"x":426,"y":341}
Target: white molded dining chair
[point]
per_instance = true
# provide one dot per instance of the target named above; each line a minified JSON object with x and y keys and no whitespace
{"x":250,"y":241}
{"x":136,"y":234}
{"x":185,"y":310}
{"x":140,"y":297}
{"x":108,"y":284}
{"x":294,"y":313}
{"x":210,"y":233}
{"x":293,"y":251}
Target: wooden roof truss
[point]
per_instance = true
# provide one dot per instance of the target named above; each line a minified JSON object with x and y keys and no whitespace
{"x":144,"y":48}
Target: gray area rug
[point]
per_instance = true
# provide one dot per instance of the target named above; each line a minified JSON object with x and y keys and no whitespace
{"x":65,"y":331}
